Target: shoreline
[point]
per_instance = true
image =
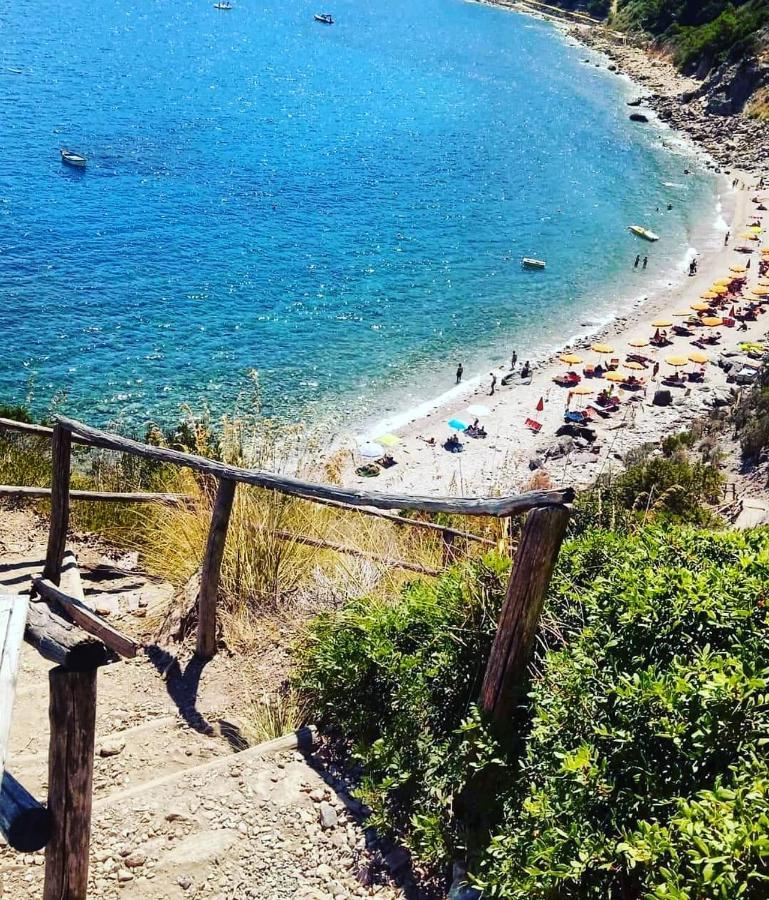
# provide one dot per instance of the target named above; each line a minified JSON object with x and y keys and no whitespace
{"x":503,"y":462}
{"x":511,"y":452}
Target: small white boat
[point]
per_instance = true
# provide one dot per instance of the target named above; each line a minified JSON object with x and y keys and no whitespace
{"x":224,"y":5}
{"x":528,"y":263}
{"x":643,"y":233}
{"x":72,"y":159}
{"x":324,"y":18}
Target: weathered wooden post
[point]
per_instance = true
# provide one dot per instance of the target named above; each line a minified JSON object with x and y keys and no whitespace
{"x":535,"y":559}
{"x":61,"y":453}
{"x":212,"y":564}
{"x":72,"y":714}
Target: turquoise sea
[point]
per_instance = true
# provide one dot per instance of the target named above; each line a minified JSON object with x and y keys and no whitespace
{"x":342,"y":209}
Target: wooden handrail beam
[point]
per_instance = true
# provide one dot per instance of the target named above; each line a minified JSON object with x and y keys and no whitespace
{"x":59,"y":641}
{"x":24,"y":492}
{"x":87,"y":619}
{"x":37,"y":430}
{"x":498,"y":507}
{"x":25,"y":823}
{"x":402,"y":520}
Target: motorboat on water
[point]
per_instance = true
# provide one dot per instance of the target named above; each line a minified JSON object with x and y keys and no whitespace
{"x":324,"y":18}
{"x":643,"y":233}
{"x":528,"y":263}
{"x":72,"y":159}
{"x":223,"y":5}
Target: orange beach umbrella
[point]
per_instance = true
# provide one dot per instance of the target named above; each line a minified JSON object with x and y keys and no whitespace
{"x":677,"y":361}
{"x":709,"y":295}
{"x":614,"y":376}
{"x":697,"y":356}
{"x":712,"y":321}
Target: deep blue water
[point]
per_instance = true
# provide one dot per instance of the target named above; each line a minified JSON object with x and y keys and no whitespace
{"x":342,"y":209}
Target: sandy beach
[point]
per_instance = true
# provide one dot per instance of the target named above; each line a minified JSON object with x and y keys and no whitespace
{"x":506,"y":458}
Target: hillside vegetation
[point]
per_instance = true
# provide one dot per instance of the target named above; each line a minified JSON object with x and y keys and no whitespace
{"x":699,"y":34}
{"x":639,"y":767}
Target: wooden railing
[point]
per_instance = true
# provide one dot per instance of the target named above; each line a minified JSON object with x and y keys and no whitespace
{"x":58,"y":621}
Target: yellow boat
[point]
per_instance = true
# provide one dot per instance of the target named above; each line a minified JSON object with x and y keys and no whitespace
{"x":644,"y":233}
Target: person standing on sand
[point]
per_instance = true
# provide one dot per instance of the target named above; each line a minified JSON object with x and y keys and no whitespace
{"x":646,"y":260}
{"x":493,"y":383}
{"x":513,"y":360}
{"x":726,"y":239}
{"x":637,"y":260}
{"x":655,"y":370}
{"x":460,"y":371}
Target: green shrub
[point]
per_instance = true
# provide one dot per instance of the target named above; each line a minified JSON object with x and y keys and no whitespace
{"x":750,"y":417}
{"x":643,"y":771}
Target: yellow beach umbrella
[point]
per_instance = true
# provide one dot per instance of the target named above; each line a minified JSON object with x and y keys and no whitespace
{"x":582,"y":391}
{"x":720,"y":289}
{"x":636,"y":366}
{"x":701,"y":307}
{"x":677,"y":360}
{"x":764,"y":281}
{"x":723,"y":281}
{"x":389,"y":440}
{"x":571,"y":359}
{"x":765,"y":251}
{"x":614,"y":376}
{"x":661,"y":323}
{"x":698,"y":356}
{"x":738,"y":269}
{"x":603,"y":348}
{"x":709,"y":295}
{"x":640,"y":342}
{"x":761,"y":291}
{"x":712,"y":321}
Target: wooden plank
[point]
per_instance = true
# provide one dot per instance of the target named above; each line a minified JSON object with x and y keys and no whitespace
{"x":506,"y":671}
{"x":25,"y":823}
{"x":469,"y":506}
{"x":212,"y":564}
{"x":13,"y":618}
{"x":23,"y":492}
{"x":61,"y":453}
{"x":87,"y":619}
{"x":354,"y":551}
{"x":406,"y":522}
{"x":60,"y":641}
{"x":72,"y":714}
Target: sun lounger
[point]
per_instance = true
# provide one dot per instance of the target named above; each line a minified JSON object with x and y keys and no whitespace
{"x":535,"y":426}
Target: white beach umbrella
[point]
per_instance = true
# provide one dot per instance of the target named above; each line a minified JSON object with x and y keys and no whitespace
{"x":371,"y":450}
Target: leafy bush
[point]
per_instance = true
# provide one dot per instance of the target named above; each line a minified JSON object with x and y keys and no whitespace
{"x":400,"y":680}
{"x":697,"y":30}
{"x":675,"y":482}
{"x":644,"y":771}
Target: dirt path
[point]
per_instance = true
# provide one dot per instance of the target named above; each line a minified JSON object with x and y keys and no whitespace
{"x":180,"y":809}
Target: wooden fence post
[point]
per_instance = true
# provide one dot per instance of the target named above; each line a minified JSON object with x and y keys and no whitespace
{"x":212,"y":564}
{"x":61,"y":453}
{"x":72,"y":714}
{"x":513,"y":646}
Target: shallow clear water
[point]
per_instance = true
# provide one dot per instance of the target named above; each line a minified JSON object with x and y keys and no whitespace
{"x":342,"y":209}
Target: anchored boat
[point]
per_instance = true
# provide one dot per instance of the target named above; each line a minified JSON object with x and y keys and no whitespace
{"x":644,"y":233}
{"x":224,"y":5}
{"x":72,"y":159}
{"x":528,"y":263}
{"x":324,"y":18}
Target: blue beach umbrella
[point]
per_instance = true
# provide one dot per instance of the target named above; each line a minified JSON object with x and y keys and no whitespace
{"x":457,"y":424}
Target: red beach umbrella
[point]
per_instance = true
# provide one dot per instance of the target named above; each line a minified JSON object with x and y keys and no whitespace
{"x":541,"y":405}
